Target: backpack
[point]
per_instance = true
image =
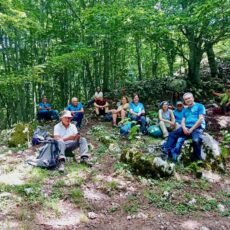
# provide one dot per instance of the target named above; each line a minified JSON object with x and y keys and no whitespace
{"x":48,"y":156}
{"x":125,"y":129}
{"x":107,"y":117}
{"x":155,"y":131}
{"x":39,"y":135}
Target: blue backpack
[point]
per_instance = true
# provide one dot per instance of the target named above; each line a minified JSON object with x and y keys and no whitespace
{"x":125,"y":129}
{"x":155,"y":131}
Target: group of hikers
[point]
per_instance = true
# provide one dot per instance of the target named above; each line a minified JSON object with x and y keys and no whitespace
{"x":181,"y":119}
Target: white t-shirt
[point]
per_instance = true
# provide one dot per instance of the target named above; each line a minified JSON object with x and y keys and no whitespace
{"x":96,"y":95}
{"x":62,"y":131}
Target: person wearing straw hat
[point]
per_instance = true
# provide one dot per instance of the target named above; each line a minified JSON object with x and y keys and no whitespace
{"x":68,"y":138}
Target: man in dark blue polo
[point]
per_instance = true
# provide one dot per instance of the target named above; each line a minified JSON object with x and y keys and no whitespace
{"x":45,"y":111}
{"x":192,"y":126}
{"x":77,"y":111}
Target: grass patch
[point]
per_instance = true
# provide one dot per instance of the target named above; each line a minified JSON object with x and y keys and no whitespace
{"x":101,"y":151}
{"x":58,"y":190}
{"x":77,"y":197}
{"x":132,"y":205}
{"x":182,"y":204}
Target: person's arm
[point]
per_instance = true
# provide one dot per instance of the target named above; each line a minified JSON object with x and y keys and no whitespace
{"x":197,"y":124}
{"x":173,"y":120}
{"x":142,"y":112}
{"x":72,"y":137}
{"x":96,"y":105}
{"x":133,"y":113}
{"x":216,"y":94}
{"x":41,"y":107}
{"x":185,"y":129}
{"x":106,"y":105}
{"x":161,"y":118}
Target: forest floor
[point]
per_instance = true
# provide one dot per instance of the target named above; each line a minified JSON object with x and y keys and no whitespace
{"x":108,"y":195}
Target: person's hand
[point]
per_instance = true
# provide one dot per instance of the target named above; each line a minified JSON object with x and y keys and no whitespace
{"x":228,"y":104}
{"x":172,"y":124}
{"x":186,"y":131}
{"x":139,"y":114}
{"x":190,"y":130}
{"x":77,"y":136}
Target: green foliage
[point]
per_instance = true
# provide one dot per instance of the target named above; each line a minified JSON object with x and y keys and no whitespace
{"x":134,"y":131}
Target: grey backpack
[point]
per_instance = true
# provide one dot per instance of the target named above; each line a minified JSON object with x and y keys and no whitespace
{"x":48,"y":156}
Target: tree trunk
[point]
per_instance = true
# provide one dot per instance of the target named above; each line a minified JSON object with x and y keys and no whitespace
{"x":211,"y":59}
{"x":106,"y":65}
{"x":195,"y":56}
{"x":139,"y":66}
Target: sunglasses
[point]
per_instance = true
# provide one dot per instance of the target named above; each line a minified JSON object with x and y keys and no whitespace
{"x":179,"y":105}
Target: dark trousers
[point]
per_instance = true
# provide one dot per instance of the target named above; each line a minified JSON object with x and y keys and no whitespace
{"x":78,"y":118}
{"x":141,"y":120}
{"x":48,"y":115}
{"x":171,"y":147}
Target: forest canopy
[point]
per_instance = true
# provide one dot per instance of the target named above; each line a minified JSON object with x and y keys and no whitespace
{"x":66,"y":48}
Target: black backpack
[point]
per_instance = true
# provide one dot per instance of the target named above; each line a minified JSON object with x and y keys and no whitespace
{"x":48,"y":156}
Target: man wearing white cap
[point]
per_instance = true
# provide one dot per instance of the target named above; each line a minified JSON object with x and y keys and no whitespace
{"x":69,"y":139}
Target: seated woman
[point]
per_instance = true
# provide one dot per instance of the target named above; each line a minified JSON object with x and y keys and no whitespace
{"x":101,"y":106}
{"x":137,"y":112}
{"x":121,"y":111}
{"x":166,"y":119}
{"x":46,"y":112}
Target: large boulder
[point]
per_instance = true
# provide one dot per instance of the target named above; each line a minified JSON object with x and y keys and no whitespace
{"x":20,"y":135}
{"x":147,"y":164}
{"x":211,"y":154}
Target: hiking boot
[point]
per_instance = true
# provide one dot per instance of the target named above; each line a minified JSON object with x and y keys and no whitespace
{"x":61,"y":167}
{"x":85,"y":160}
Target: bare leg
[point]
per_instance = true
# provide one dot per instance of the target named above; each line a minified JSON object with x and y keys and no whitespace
{"x":106,"y":109}
{"x":114,"y":115}
{"x":97,"y":110}
{"x":123,"y":114}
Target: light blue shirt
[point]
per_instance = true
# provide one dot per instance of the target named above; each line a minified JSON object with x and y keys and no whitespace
{"x":136,"y":108}
{"x":178,"y":115}
{"x":44,"y":106}
{"x":191,"y":115}
{"x":70,"y":107}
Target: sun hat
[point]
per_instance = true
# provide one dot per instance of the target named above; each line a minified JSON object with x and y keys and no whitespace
{"x":66,"y":113}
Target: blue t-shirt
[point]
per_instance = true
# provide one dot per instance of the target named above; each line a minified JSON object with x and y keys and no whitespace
{"x":44,"y":106}
{"x":136,"y":108}
{"x":70,"y":107}
{"x":191,"y":115}
{"x":178,"y":115}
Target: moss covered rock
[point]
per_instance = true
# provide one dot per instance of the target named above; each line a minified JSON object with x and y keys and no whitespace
{"x":211,"y":154}
{"x":20,"y":135}
{"x":147,"y":164}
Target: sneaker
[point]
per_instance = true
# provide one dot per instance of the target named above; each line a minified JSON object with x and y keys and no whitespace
{"x":61,"y":167}
{"x":85,"y":160}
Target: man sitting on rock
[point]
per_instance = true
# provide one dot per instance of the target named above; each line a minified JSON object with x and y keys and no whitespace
{"x":225,"y":101}
{"x":77,"y":111}
{"x":46,"y":112}
{"x":68,"y":138}
{"x":192,"y":126}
